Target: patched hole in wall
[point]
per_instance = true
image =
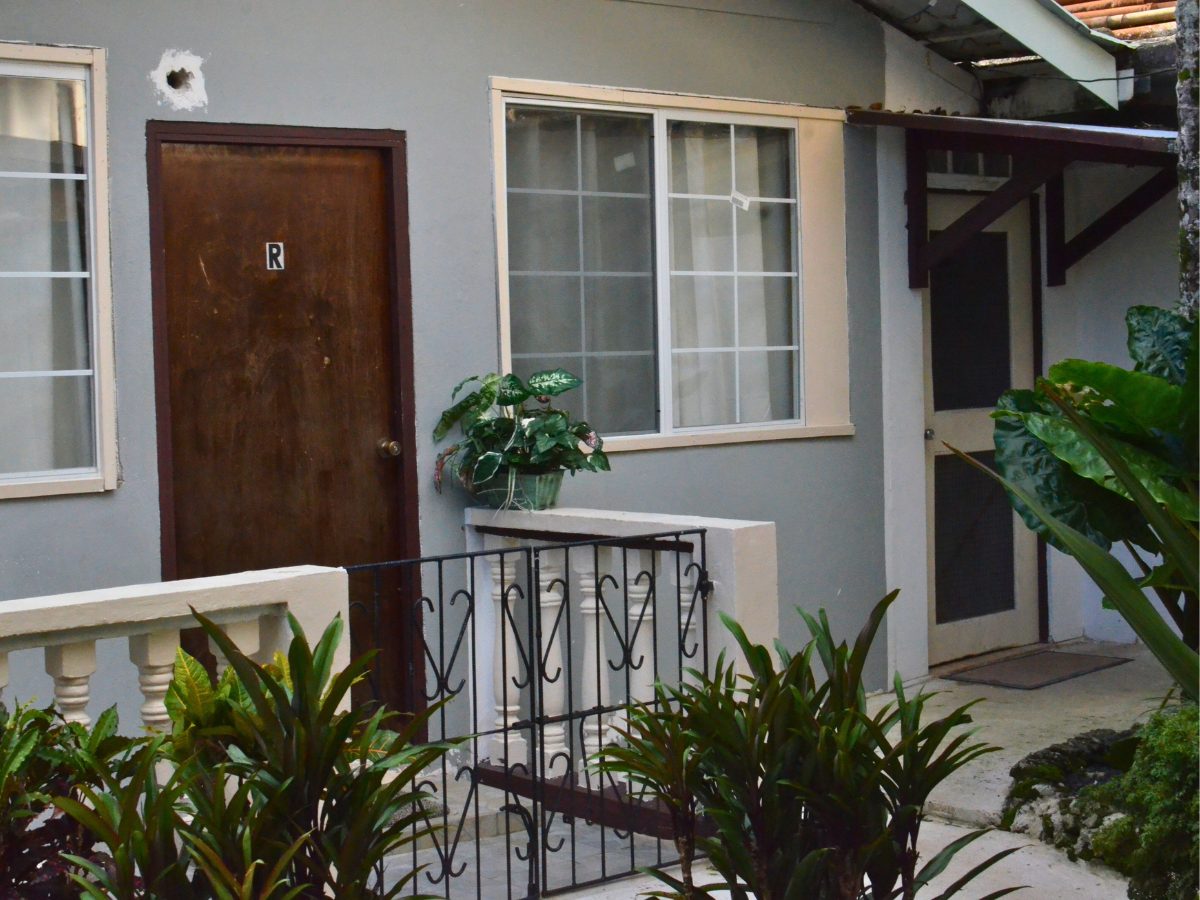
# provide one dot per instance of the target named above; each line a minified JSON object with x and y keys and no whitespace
{"x":179,"y":79}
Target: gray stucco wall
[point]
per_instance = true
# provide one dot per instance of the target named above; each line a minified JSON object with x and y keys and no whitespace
{"x":1085,"y":319}
{"x":422,"y":66}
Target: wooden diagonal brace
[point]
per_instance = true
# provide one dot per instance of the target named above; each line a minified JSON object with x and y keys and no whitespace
{"x":931,"y":251}
{"x":1061,"y":254}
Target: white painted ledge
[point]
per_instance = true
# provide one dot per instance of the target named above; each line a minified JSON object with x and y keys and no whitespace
{"x":313,"y":594}
{"x":741,"y":557}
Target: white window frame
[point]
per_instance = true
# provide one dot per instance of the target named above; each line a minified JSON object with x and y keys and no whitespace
{"x":823,"y":381}
{"x":74,"y":62}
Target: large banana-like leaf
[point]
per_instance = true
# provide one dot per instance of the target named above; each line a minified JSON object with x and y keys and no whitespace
{"x":1103,"y":516}
{"x":1159,"y":341}
{"x":1119,"y":587}
{"x":1178,"y":538}
{"x":1152,"y":402}
{"x":1154,"y":473}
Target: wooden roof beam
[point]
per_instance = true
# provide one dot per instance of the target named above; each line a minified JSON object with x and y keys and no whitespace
{"x":1061,"y":253}
{"x":1054,"y":35}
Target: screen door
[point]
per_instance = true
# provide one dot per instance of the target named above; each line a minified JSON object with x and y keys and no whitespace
{"x":978,"y":343}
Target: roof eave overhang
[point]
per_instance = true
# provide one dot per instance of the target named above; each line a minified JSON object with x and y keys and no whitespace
{"x":1053,"y":34}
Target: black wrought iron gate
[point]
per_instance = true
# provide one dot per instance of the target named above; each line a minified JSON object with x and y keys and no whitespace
{"x":535,"y":648}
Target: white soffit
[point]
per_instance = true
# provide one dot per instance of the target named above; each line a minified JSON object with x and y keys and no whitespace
{"x":1053,"y":34}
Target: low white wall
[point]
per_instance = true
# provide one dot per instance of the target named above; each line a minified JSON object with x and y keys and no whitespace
{"x":740,"y":558}
{"x":252,"y":604}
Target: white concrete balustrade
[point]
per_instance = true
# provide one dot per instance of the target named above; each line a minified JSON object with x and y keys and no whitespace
{"x":632,"y":609}
{"x":251,"y":607}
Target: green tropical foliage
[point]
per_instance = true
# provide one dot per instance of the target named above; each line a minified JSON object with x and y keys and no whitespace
{"x":277,"y":788}
{"x":1097,"y":455}
{"x":1156,"y":839}
{"x":781,"y":775}
{"x":502,"y":433}
{"x":42,"y":756}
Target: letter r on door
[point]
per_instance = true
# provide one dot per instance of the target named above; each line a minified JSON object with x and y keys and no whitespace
{"x":275,"y":256}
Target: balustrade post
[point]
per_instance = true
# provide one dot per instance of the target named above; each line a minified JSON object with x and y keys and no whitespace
{"x":595,"y":669}
{"x":154,"y":656}
{"x":508,"y":747}
{"x":3,"y":673}
{"x":552,"y":621}
{"x":245,"y":635}
{"x":71,"y":666}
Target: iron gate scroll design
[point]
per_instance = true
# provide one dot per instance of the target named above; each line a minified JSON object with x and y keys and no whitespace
{"x":536,"y":648}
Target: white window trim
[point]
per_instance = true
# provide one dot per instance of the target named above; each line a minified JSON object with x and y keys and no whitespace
{"x":824,"y":380}
{"x":104,"y":476}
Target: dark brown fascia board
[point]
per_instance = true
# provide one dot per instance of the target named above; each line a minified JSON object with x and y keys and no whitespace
{"x":1010,"y":136}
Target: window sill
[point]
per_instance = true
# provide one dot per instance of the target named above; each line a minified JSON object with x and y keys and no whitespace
{"x":730,"y":436}
{"x":49,"y":486}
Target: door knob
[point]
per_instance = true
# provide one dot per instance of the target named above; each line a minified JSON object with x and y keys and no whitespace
{"x":929,"y":434}
{"x":387,"y":448}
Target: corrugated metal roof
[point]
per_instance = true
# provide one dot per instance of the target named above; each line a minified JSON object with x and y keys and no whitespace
{"x":1128,"y":20}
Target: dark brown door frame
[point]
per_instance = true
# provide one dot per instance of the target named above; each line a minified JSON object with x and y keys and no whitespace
{"x":392,"y":143}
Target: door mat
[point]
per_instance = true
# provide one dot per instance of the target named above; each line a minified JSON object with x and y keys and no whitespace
{"x":1037,"y":670}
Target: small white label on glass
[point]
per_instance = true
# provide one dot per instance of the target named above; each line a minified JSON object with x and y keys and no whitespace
{"x":624,"y":161}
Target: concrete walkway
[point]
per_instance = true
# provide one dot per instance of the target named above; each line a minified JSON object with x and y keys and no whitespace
{"x":1019,"y":722}
{"x":1044,"y":871}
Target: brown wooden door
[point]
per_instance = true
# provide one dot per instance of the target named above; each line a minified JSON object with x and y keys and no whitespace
{"x":282,"y":353}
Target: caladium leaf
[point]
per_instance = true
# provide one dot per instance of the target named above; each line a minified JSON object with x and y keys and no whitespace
{"x":486,"y":466}
{"x":467,"y":410}
{"x":552,"y":382}
{"x":511,"y":391}
{"x":1159,"y":341}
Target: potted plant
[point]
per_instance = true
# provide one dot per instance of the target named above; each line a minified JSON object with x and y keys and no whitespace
{"x":515,"y":444}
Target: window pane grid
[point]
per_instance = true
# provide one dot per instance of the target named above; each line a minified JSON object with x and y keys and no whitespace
{"x":597,"y":319}
{"x":45,"y":274}
{"x":46,"y":176}
{"x":48,"y":309}
{"x":580,"y":354}
{"x":690,"y":357}
{"x":533,"y":273}
{"x":786,"y":201}
{"x":742,"y":184}
{"x":47,"y":373}
{"x":564,"y":192}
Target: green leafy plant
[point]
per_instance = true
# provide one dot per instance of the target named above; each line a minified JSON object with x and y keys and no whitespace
{"x":802,"y":792}
{"x":42,"y":756}
{"x":136,"y":820}
{"x":1097,"y":455}
{"x":503,"y":433}
{"x":280,"y":789}
{"x":1156,"y":842}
